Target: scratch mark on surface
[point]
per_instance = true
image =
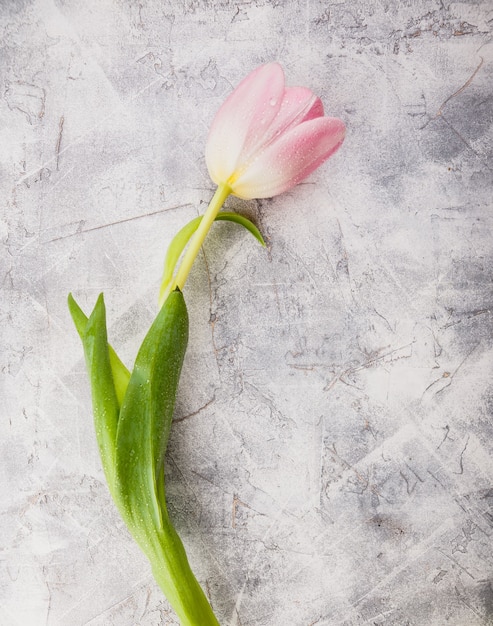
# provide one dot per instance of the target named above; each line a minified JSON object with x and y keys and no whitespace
{"x":267,"y":400}
{"x":362,"y":482}
{"x":377,"y":359}
{"x":218,"y":486}
{"x":439,"y":576}
{"x":447,"y":430}
{"x":59,"y":142}
{"x":212,"y":316}
{"x":276,"y":296}
{"x":461,"y":464}
{"x":237,"y":618}
{"x":456,"y":132}
{"x":186,"y":482}
{"x":62,"y":177}
{"x":185,"y":417}
{"x":369,"y":363}
{"x":305,"y":267}
{"x":409,"y":489}
{"x":461,"y":89}
{"x":236,"y":502}
{"x":385,"y":320}
{"x":439,"y":383}
{"x":466,"y":604}
{"x":375,"y":617}
{"x":456,"y":563}
{"x":81,"y":231}
{"x":89,"y":594}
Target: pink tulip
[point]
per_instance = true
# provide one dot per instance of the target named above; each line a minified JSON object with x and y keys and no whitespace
{"x":264,"y":140}
{"x":267,"y":137}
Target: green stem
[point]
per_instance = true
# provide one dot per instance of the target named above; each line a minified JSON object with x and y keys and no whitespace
{"x":222,"y":192}
{"x":172,"y":572}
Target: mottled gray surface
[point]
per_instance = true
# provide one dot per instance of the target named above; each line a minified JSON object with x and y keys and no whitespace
{"x":331,"y":461}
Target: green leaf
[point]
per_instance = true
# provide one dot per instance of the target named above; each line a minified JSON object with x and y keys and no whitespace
{"x":143,"y":431}
{"x":104,"y":399}
{"x":121,"y":375}
{"x":132,"y":442}
{"x":175,"y":249}
{"x":146,"y":416}
{"x":243,"y":221}
{"x":183,"y":236}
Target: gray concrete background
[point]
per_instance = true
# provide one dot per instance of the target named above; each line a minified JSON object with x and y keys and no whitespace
{"x":331,"y":461}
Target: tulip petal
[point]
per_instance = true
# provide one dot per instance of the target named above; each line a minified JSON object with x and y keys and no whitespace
{"x":243,"y":119}
{"x":298,"y":105}
{"x":290,"y":159}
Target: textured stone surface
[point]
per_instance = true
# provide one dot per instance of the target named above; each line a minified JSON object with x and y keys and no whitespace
{"x":331,"y":461}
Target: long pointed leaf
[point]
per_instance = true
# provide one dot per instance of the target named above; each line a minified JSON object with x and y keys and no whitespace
{"x":121,"y":375}
{"x":147,"y":413}
{"x":143,"y":431}
{"x":175,"y":249}
{"x":105,"y":403}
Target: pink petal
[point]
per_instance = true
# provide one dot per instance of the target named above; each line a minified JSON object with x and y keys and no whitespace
{"x":297,"y":105}
{"x":290,"y":159}
{"x":301,"y":104}
{"x":243,"y":119}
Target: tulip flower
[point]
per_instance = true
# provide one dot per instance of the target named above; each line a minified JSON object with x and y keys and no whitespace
{"x":267,"y":137}
{"x":264,"y":140}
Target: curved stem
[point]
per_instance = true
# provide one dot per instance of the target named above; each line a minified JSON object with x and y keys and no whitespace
{"x":222,"y":192}
{"x":172,"y":572}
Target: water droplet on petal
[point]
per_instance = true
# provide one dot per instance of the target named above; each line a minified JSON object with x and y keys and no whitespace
{"x":272,"y":102}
